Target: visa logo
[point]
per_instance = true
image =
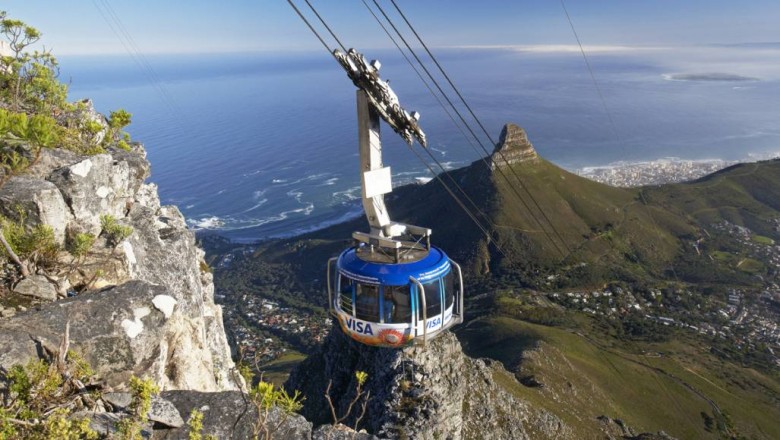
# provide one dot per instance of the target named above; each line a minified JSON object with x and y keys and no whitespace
{"x":434,"y":322}
{"x":359,"y":326}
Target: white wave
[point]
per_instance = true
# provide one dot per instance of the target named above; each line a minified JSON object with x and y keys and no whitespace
{"x":253,"y":173}
{"x":423,"y":180}
{"x":212,"y":222}
{"x":189,"y":206}
{"x":257,"y":205}
{"x":296,"y":194}
{"x":329,"y":182}
{"x":279,"y":181}
{"x":259,"y":193}
{"x":306,"y":210}
{"x":349,"y":215}
{"x":221,"y":191}
{"x":346,"y":195}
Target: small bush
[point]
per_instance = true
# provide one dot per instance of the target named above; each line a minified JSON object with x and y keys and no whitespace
{"x":266,"y":396}
{"x":80,"y":244}
{"x":142,"y":391}
{"x":115,"y":232}
{"x":31,"y":393}
{"x":123,"y":145}
{"x":195,"y":424}
{"x":36,"y":244}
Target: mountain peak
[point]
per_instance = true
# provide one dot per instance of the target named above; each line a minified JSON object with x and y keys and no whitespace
{"x":513,"y":147}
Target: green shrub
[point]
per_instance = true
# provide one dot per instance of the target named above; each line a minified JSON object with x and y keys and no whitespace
{"x":265,"y":396}
{"x":115,"y":233}
{"x":33,"y":390}
{"x":195,"y":424}
{"x":119,"y":119}
{"x":36,"y":244}
{"x":122,"y":144}
{"x":142,"y":391}
{"x":80,"y":244}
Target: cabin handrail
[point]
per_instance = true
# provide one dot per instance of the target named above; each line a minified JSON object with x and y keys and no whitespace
{"x":330,"y":290}
{"x":460,"y":293}
{"x":421,"y":291}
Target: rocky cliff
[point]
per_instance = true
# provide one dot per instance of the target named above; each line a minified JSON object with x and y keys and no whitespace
{"x":418,"y":392}
{"x":513,"y":147}
{"x":138,"y":305}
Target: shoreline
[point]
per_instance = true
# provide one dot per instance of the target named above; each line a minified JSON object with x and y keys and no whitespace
{"x":661,"y":171}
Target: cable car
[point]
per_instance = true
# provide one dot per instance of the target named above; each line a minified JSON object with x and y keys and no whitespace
{"x":392,"y":304}
{"x":392,"y":287}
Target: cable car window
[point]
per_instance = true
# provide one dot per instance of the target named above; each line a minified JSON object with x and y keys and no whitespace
{"x":397,"y":305}
{"x":345,"y":294}
{"x":367,"y":302}
{"x":432,"y":299}
{"x":449,"y":290}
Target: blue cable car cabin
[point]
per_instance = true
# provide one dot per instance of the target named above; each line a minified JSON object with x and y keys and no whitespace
{"x":390,"y":304}
{"x":392,"y":288}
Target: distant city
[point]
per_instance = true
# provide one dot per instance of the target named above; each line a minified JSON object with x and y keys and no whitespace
{"x":661,"y":171}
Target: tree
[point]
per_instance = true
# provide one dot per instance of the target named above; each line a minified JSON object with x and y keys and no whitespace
{"x":29,"y":79}
{"x":117,"y":120}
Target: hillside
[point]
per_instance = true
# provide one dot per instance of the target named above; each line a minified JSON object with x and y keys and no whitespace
{"x":652,"y":306}
{"x":586,"y":233}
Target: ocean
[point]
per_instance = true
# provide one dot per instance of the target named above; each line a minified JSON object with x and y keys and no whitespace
{"x":261,"y":145}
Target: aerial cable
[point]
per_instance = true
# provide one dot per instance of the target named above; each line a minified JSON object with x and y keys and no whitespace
{"x":457,"y":200}
{"x":501,"y":172}
{"x":460,"y":203}
{"x":615,"y":132}
{"x":125,"y":39}
{"x":324,"y":24}
{"x":419,"y":75}
{"x":314,"y":31}
{"x":613,"y":126}
{"x":592,"y":76}
{"x":441,"y":69}
{"x":452,"y":118}
{"x":479,"y":122}
{"x":436,"y":175}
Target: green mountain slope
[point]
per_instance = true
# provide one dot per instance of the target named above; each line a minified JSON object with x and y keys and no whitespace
{"x":681,"y":248}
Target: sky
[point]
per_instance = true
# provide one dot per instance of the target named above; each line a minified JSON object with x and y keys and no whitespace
{"x":197,"y":26}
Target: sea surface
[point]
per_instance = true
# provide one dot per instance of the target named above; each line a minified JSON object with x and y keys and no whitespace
{"x":260,"y":145}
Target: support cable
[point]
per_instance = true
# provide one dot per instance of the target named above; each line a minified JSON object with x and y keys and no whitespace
{"x":498,"y":168}
{"x":126,"y":39}
{"x":452,"y":194}
{"x":314,"y":31}
{"x":615,"y":132}
{"x":419,"y":75}
{"x":612,"y":124}
{"x":484,"y":130}
{"x":460,"y":203}
{"x":324,"y":24}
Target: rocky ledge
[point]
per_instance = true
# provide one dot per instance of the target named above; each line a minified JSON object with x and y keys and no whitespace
{"x":143,"y":305}
{"x":418,"y":392}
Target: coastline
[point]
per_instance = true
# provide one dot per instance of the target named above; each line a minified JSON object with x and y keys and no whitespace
{"x":661,"y":171}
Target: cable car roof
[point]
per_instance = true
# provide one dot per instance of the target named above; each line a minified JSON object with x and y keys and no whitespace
{"x":434,"y":265}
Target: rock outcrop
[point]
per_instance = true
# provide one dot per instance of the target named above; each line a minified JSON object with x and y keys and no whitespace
{"x":230,"y":415}
{"x":113,"y":316}
{"x":513,"y":147}
{"x":418,"y":392}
